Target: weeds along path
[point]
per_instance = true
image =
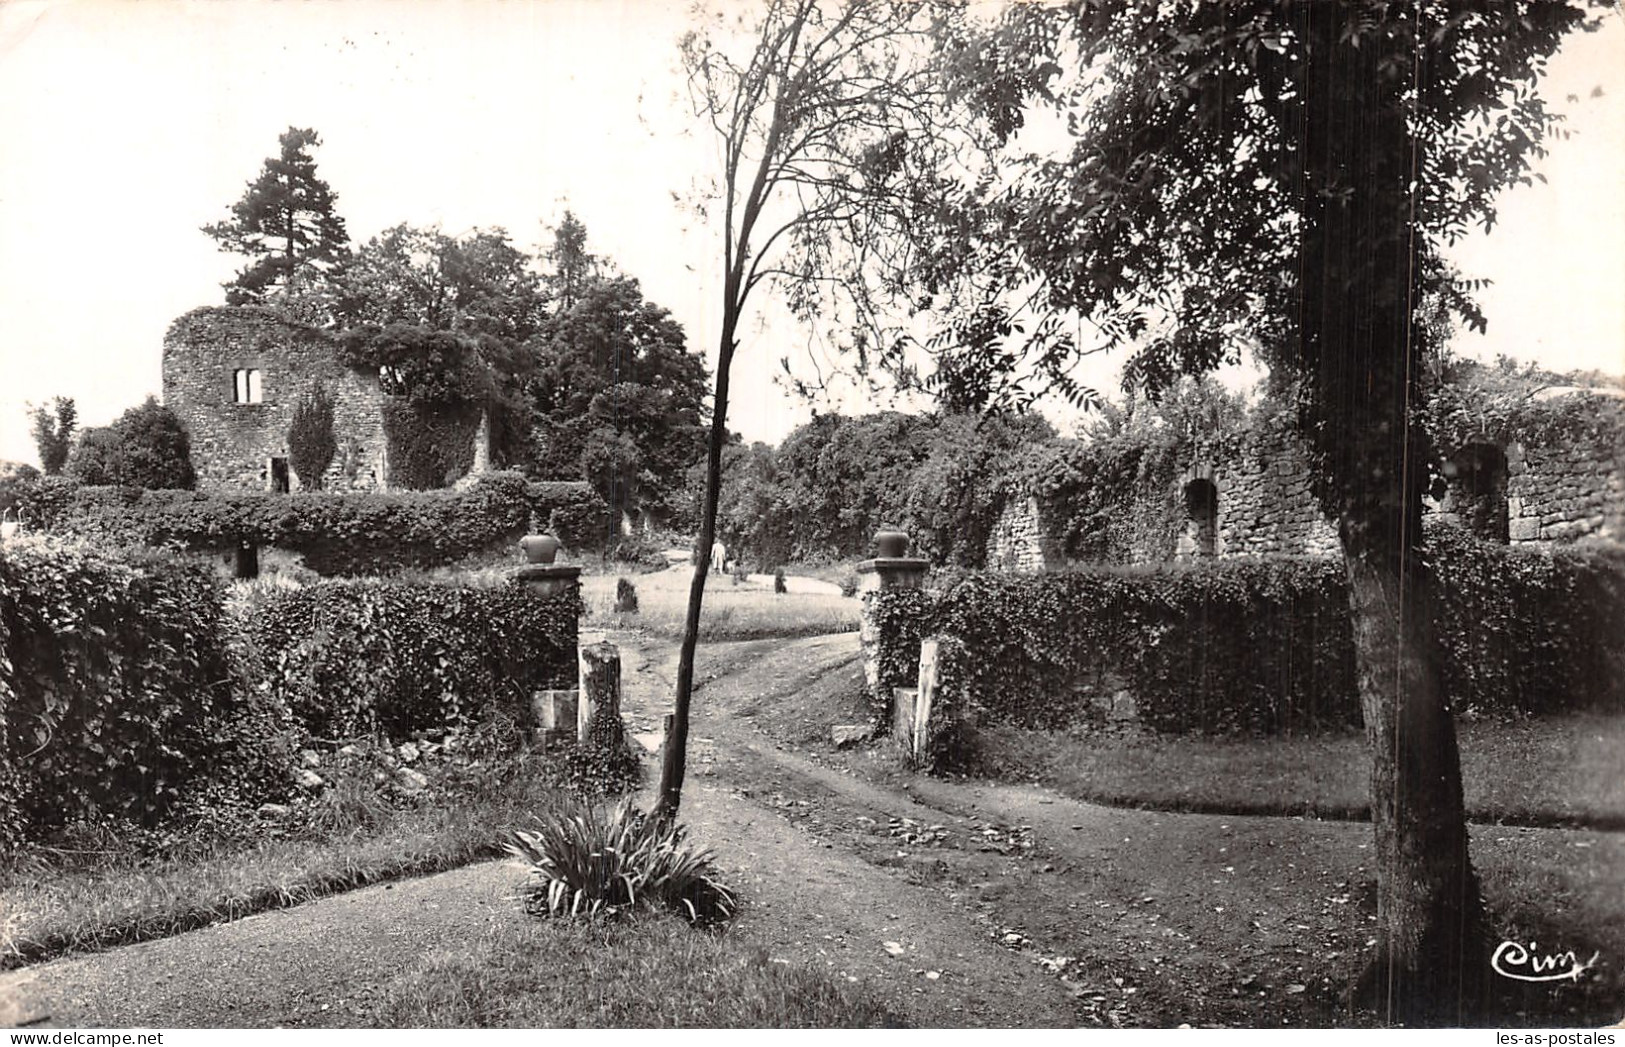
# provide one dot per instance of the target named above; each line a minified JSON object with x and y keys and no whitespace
{"x":1139,"y":918}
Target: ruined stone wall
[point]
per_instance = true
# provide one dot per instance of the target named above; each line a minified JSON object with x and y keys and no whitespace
{"x":233,"y":443}
{"x":1018,"y":541}
{"x":1265,"y":505}
{"x":1561,"y":494}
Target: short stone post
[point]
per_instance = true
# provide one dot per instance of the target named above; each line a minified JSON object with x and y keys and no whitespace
{"x":555,"y":713}
{"x":600,"y":671}
{"x":893,"y":570}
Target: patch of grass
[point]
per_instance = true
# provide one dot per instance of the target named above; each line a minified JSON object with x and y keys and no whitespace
{"x":749,"y":611}
{"x":1557,"y":770}
{"x":651,"y":972}
{"x":116,"y":898}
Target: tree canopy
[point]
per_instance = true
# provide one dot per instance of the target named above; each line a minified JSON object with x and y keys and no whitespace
{"x":52,"y":428}
{"x":619,"y":397}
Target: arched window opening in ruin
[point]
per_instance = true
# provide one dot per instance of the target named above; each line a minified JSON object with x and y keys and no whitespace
{"x":1476,"y":479}
{"x":1202,"y":517}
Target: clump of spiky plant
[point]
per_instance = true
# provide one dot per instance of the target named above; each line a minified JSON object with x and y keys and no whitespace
{"x":585,"y":860}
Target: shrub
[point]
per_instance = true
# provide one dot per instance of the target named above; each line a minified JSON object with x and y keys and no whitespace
{"x":351,"y":658}
{"x":584,"y":861}
{"x":1229,"y":646}
{"x":115,"y":684}
{"x":337,"y":533}
{"x":311,"y":444}
{"x":145,"y":447}
{"x":894,"y":623}
{"x":626,"y":596}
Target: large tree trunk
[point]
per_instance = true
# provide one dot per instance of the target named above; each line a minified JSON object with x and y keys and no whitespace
{"x":1361,"y":353}
{"x":1432,"y":961}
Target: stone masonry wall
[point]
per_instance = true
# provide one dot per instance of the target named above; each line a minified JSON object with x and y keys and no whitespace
{"x":1561,"y":494}
{"x":1018,"y":541}
{"x":232,"y":443}
{"x":1264,"y":505}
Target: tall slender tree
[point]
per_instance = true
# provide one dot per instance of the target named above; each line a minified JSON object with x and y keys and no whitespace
{"x":285,"y":224}
{"x":572,"y":267}
{"x":809,"y":112}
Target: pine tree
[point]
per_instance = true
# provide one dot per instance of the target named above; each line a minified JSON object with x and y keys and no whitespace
{"x":573,"y":267}
{"x":285,"y":224}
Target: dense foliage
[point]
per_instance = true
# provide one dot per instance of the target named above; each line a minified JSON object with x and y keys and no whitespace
{"x":337,"y":533}
{"x":837,"y":480}
{"x":352,"y":658}
{"x":311,"y":443}
{"x":618,"y":393}
{"x":1529,"y":631}
{"x":116,"y":685}
{"x":52,"y":429}
{"x":1507,"y":402}
{"x":146,"y":446}
{"x":1264,"y":646}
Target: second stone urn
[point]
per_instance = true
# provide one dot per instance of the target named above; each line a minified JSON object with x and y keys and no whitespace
{"x":539,"y":548}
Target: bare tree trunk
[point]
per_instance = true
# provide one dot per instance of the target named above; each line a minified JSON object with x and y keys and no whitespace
{"x":1431,"y":966}
{"x":674,"y":752}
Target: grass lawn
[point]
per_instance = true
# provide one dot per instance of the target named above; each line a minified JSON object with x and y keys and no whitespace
{"x":55,"y":902}
{"x":647,"y":972}
{"x":748,"y":611}
{"x":1556,"y":770}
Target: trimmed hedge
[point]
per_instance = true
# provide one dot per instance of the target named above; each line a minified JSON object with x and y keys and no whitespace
{"x":1264,"y":646}
{"x":348,"y":533}
{"x":354,"y":658}
{"x":1529,"y":631}
{"x":114,"y":673}
{"x":1231,"y":646}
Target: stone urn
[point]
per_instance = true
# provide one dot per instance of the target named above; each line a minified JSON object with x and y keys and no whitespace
{"x":539,"y":548}
{"x":891,"y":544}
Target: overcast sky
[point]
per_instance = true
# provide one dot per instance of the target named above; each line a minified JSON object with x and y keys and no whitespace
{"x":124,"y":127}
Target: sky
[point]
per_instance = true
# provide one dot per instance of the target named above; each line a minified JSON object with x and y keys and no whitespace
{"x":125,"y":127}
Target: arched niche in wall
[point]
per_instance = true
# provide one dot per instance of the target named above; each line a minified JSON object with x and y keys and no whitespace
{"x":1476,"y":489}
{"x":1201,"y":518}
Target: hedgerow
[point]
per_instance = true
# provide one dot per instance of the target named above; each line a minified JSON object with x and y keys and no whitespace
{"x":1232,"y":646}
{"x":114,"y":677}
{"x":353,"y":658}
{"x":346,"y":533}
{"x":1260,"y":646}
{"x":1530,"y":631}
